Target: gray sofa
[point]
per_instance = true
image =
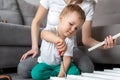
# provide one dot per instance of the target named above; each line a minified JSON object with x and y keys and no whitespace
{"x":15,"y":36}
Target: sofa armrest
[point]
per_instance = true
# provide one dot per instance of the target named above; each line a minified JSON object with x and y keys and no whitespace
{"x":15,"y":35}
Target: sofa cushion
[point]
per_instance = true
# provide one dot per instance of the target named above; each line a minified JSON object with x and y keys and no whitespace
{"x":33,"y":2}
{"x":15,"y":35}
{"x":107,"y":12}
{"x":9,"y":11}
{"x":28,"y":11}
{"x":10,"y":56}
{"x":0,"y":19}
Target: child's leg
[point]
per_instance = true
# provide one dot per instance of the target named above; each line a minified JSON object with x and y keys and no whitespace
{"x":73,"y":70}
{"x":42,"y":71}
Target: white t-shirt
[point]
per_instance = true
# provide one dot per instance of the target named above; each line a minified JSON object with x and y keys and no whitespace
{"x":49,"y":52}
{"x":56,"y":6}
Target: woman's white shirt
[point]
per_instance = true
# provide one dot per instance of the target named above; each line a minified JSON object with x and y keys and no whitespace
{"x":56,"y":6}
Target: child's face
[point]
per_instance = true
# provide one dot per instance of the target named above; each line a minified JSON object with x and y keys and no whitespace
{"x":69,"y":24}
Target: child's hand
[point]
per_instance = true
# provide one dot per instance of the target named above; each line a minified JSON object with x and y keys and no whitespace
{"x":61,"y":75}
{"x":61,"y":46}
{"x":109,"y":42}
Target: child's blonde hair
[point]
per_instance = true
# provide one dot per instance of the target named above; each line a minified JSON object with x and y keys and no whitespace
{"x":73,"y":8}
{"x":78,"y":1}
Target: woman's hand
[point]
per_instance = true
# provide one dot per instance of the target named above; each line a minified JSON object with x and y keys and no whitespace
{"x":109,"y":42}
{"x":32,"y":52}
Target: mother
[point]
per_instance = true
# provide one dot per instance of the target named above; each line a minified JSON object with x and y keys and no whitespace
{"x":53,"y":8}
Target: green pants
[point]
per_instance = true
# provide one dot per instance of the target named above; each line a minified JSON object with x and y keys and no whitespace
{"x":43,"y":71}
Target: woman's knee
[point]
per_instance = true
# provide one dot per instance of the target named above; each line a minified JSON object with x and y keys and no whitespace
{"x":24,"y":67}
{"x":85,"y":64}
{"x":82,"y":61}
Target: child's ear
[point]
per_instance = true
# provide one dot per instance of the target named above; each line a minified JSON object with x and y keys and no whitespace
{"x":60,"y":18}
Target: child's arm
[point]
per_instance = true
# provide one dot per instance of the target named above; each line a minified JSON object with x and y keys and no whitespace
{"x":50,"y":36}
{"x":66,"y":62}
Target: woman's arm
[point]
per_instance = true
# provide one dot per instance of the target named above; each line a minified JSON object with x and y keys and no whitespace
{"x":89,"y":41}
{"x":50,"y":36}
{"x":87,"y":34}
{"x":41,"y":12}
{"x":35,"y":25}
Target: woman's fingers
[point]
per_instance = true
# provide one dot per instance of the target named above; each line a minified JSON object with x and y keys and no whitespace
{"x":109,"y":42}
{"x":25,"y":56}
{"x":28,"y":53}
